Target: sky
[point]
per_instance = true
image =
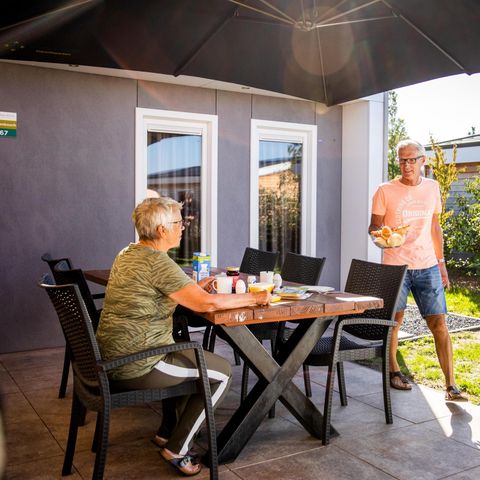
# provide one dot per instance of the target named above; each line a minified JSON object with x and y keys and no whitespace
{"x":447,"y":107}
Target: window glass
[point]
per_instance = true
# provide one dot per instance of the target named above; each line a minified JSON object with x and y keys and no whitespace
{"x":174,"y":170}
{"x":279,"y":215}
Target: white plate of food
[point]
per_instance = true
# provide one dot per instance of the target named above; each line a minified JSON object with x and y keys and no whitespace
{"x":319,"y":289}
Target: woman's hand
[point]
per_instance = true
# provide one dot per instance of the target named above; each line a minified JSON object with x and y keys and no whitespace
{"x":207,"y":284}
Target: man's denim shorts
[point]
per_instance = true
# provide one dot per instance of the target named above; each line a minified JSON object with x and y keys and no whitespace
{"x":427,"y":289}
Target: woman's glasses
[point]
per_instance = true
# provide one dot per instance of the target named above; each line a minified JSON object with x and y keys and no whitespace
{"x":183,"y":223}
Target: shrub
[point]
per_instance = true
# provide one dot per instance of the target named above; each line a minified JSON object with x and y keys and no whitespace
{"x":462,"y":231}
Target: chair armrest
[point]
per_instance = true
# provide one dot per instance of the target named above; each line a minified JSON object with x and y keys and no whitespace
{"x":357,"y":321}
{"x":109,"y":364}
{"x":367,"y":321}
{"x":98,"y":295}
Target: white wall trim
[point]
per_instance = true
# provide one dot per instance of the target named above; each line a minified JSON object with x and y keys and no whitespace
{"x":148,"y":119}
{"x":287,"y":132}
{"x":363,"y":151}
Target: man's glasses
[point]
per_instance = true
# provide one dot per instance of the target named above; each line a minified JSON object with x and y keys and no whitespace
{"x":182,"y":222}
{"x":410,"y":161}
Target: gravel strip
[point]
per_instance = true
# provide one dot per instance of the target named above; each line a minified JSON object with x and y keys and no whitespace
{"x":414,"y":325}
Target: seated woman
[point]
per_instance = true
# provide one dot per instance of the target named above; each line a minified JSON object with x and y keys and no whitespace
{"x":144,"y":288}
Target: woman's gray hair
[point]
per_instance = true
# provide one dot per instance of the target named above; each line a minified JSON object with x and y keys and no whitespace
{"x":411,"y":143}
{"x":153,"y":212}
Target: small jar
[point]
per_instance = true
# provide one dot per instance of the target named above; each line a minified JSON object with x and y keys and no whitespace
{"x":233,"y":272}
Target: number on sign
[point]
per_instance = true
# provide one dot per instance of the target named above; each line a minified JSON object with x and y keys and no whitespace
{"x":3,"y":133}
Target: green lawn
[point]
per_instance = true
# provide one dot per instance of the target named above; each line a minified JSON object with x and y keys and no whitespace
{"x":463,"y":300}
{"x":418,"y":358}
{"x":419,"y":361}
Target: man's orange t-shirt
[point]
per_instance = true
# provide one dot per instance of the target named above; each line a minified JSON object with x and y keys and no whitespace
{"x":401,"y":204}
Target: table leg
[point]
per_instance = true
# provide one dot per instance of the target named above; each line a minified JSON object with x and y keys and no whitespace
{"x":275,"y":382}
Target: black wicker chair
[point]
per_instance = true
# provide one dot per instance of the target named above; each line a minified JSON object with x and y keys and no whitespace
{"x":93,"y":390}
{"x":46,"y":257}
{"x":296,"y":268}
{"x":253,"y":262}
{"x":369,"y":335}
{"x":65,"y":276}
{"x":57,"y":266}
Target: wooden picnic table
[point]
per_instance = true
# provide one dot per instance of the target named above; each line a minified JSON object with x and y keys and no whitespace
{"x":274,"y":379}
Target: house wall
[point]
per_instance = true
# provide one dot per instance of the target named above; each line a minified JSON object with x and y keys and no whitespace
{"x":68,"y":179}
{"x":468,"y":164}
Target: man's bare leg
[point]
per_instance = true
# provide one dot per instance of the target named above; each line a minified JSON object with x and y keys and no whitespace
{"x":443,"y":346}
{"x":397,"y":382}
{"x":394,"y":366}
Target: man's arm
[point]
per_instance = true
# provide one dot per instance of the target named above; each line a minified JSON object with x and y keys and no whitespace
{"x":437,"y":239}
{"x":376,"y":222}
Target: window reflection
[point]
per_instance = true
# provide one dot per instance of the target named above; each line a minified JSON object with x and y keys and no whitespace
{"x":279,"y":181}
{"x":174,"y":170}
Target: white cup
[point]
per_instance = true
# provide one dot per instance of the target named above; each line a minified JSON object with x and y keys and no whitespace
{"x":222,"y":284}
{"x":266,"y":277}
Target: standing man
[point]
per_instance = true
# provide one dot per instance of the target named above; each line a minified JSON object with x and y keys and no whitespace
{"x":415,"y":200}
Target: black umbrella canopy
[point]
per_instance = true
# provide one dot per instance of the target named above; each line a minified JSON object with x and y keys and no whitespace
{"x":330,"y":51}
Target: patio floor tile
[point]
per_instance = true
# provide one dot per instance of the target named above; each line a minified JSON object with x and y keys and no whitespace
{"x":429,"y":439}
{"x":462,"y":428}
{"x":419,"y":405}
{"x":326,"y":463}
{"x":29,"y":440}
{"x":43,"y":469}
{"x":413,"y":452}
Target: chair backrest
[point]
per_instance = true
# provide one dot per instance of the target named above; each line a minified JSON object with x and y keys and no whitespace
{"x":64,"y":276}
{"x":302,"y":269}
{"x":77,"y":329}
{"x":53,"y":262}
{"x":254,"y":261}
{"x":376,"y":280}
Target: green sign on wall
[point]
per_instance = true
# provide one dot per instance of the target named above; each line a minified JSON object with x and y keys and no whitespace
{"x":8,"y":124}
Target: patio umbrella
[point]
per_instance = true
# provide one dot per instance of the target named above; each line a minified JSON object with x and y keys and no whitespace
{"x":330,"y":51}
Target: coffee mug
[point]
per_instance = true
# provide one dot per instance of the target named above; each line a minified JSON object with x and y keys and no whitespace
{"x":266,"y":277}
{"x":222,"y":284}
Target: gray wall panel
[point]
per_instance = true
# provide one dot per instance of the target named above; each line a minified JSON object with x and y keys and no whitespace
{"x":234,"y":111}
{"x":67,"y":187}
{"x":329,"y":173}
{"x":166,"y":96}
{"x":68,"y":179}
{"x":283,"y":110}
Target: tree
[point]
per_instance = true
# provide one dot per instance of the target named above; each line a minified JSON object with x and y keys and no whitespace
{"x":397,"y":131}
{"x":445,"y":174}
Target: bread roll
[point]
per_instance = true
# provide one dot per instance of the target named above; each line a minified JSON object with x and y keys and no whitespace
{"x":395,"y":240}
{"x":380,"y":242}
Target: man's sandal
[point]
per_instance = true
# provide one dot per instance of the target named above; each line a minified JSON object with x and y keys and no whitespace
{"x":399,"y":381}
{"x":184,"y":465}
{"x":453,"y":394}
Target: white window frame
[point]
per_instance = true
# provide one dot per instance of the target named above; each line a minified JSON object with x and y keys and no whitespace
{"x":153,"y":120}
{"x":288,"y":132}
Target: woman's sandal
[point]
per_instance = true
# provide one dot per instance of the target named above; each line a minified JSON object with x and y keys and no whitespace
{"x":184,"y":464}
{"x":159,"y":441}
{"x":403,"y":384}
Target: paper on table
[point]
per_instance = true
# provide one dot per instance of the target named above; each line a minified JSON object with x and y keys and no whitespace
{"x":356,"y":299}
